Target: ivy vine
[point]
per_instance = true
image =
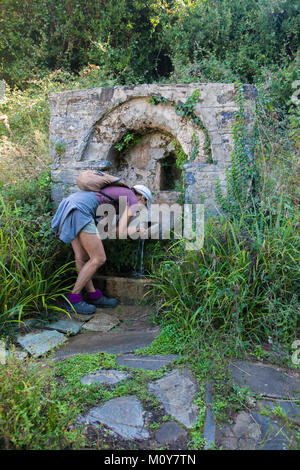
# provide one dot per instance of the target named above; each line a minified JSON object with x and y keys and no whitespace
{"x":186,"y":110}
{"x":241,"y":175}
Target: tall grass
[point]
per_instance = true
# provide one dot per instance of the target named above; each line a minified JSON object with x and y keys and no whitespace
{"x":244,"y":282}
{"x":32,"y":277}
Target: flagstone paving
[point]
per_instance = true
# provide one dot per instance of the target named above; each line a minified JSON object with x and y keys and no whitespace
{"x":261,"y":428}
{"x":110,"y":377}
{"x":176,"y":391}
{"x":70,"y":327}
{"x":124,"y":415}
{"x":147,"y":362}
{"x":266,"y":380}
{"x":113,"y":342}
{"x":265,"y":424}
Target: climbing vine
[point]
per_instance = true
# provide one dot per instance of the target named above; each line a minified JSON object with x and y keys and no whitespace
{"x":241,"y":174}
{"x":186,"y":110}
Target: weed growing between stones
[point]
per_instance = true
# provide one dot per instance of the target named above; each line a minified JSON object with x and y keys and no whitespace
{"x":69,"y":373}
{"x":71,"y":370}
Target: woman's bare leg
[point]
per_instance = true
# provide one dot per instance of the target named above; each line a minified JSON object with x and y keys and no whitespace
{"x":81,"y":257}
{"x":89,"y":256}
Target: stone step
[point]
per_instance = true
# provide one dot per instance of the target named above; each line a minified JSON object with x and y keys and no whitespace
{"x":128,"y":324}
{"x":113,"y":342}
{"x":124,"y":316}
{"x":128,"y":290}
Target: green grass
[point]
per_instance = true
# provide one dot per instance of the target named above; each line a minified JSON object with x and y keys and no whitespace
{"x":33,"y":272}
{"x":72,"y":370}
{"x":32,"y":414}
{"x":243,"y":283}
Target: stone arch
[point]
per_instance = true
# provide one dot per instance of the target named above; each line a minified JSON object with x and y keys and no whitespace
{"x":159,"y":127}
{"x":76,"y":116}
{"x":140,"y":116}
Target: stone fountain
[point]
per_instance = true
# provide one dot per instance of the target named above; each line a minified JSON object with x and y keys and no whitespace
{"x":88,"y":124}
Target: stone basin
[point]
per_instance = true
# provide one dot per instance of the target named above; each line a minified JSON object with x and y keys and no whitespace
{"x":126,"y":289}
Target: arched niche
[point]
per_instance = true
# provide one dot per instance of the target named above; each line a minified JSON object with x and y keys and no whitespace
{"x":152,"y":160}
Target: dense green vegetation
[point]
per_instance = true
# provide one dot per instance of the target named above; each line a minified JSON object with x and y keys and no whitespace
{"x":145,"y":40}
{"x":34,"y":272}
{"x":231,"y":298}
{"x":251,"y":255}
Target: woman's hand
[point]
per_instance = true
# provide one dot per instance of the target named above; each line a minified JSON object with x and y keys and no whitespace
{"x":134,"y":229}
{"x":142,"y":231}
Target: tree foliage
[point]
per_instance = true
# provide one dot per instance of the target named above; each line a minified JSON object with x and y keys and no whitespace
{"x":144,"y":40}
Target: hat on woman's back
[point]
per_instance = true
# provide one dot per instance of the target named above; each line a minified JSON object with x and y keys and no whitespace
{"x":141,"y":189}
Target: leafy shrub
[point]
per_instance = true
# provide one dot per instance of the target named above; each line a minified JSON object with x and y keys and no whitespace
{"x":245,"y":36}
{"x":142,"y":41}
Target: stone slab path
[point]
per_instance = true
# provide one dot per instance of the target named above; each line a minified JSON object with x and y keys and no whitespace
{"x":264,"y":424}
{"x":267,"y":380}
{"x":114,"y":342}
{"x":119,"y":330}
{"x":253,"y":431}
{"x":177,"y":391}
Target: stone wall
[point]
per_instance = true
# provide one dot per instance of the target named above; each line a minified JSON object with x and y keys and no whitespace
{"x":87,"y":124}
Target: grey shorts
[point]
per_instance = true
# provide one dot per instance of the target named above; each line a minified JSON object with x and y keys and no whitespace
{"x":91,"y":228}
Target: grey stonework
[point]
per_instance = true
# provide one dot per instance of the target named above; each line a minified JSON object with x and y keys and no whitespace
{"x":90,"y":122}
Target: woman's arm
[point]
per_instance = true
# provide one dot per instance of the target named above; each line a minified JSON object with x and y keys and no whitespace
{"x":122,"y":227}
{"x":123,"y":230}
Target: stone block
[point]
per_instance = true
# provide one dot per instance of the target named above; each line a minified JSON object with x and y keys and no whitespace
{"x":145,"y":362}
{"x":92,"y":121}
{"x":40,"y":343}
{"x":126,"y":290}
{"x":267,"y":380}
{"x":177,"y":391}
{"x":169,"y":433}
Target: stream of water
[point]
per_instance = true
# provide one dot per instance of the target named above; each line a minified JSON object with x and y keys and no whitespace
{"x":139,"y":259}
